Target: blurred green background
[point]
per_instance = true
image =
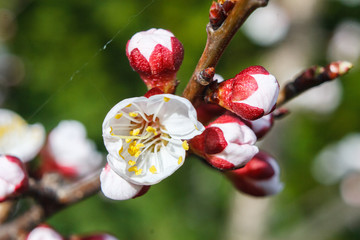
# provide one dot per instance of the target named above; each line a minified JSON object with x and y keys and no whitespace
{"x":68,"y":74}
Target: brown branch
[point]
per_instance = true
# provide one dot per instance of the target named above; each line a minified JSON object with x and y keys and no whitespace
{"x":51,"y":196}
{"x":310,"y":78}
{"x":217,"y":41}
{"x":18,"y":228}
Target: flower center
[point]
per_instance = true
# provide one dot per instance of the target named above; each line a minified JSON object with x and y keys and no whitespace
{"x":143,"y":135}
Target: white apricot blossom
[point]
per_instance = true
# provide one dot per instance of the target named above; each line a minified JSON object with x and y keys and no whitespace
{"x":19,"y":139}
{"x":146,"y":137}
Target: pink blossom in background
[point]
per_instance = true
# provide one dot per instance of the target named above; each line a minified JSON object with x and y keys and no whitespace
{"x":69,"y":151}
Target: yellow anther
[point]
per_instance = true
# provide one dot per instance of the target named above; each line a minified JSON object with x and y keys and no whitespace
{"x":140,"y":145}
{"x":127,"y":140}
{"x":133,"y":114}
{"x":138,"y":172}
{"x":151,"y":130}
{"x":111,"y":131}
{"x":153,"y":169}
{"x":120,"y":151}
{"x":166,"y":99}
{"x":185,"y":145}
{"x":129,"y":105}
{"x":196,"y":127}
{"x":133,"y":169}
{"x":131,"y":162}
{"x":180,"y":160}
{"x":135,"y":132}
{"x":119,"y":115}
{"x":137,"y":154}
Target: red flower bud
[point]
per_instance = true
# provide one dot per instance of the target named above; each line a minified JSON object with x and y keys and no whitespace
{"x":251,"y":94}
{"x":156,"y":55}
{"x":259,"y":177}
{"x":226,"y":143}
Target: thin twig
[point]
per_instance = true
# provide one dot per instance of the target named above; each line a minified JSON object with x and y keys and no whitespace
{"x":310,"y":78}
{"x":217,"y":41}
{"x":51,"y":197}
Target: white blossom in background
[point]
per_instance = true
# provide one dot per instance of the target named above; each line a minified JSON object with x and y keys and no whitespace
{"x":345,"y":43}
{"x":267,"y":26}
{"x":337,"y":160}
{"x":13,"y":177}
{"x":147,"y":138}
{"x":69,"y":151}
{"x":19,"y":139}
{"x":44,"y":232}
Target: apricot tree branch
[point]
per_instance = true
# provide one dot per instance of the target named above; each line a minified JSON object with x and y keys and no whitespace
{"x":217,"y":41}
{"x":310,"y":78}
{"x":51,"y":195}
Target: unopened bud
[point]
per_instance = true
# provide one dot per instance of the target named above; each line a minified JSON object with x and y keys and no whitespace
{"x":44,"y":232}
{"x":156,"y":55}
{"x":13,"y":177}
{"x":259,"y":177}
{"x":262,"y":125}
{"x":226,"y":143}
{"x":251,"y":94}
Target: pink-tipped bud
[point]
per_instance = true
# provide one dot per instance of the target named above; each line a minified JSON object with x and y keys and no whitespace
{"x":98,"y":237}
{"x":43,"y":232}
{"x":262,"y":125}
{"x":13,"y":177}
{"x":156,"y":54}
{"x":259,"y":177}
{"x":226,"y":143}
{"x":251,"y":94}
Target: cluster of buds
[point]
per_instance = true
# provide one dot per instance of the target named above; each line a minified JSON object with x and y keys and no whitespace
{"x":147,"y":137}
{"x":46,"y":232}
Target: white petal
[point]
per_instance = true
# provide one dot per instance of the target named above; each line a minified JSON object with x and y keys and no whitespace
{"x":146,"y":41}
{"x":266,"y":95}
{"x":179,"y":117}
{"x":115,"y":187}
